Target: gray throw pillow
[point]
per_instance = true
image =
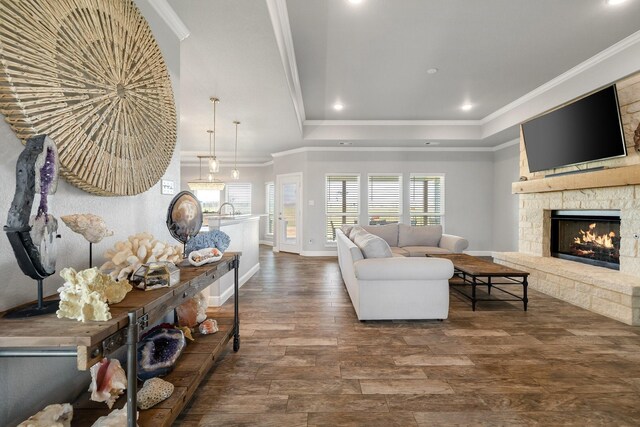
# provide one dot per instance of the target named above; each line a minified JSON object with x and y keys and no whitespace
{"x":354,"y":230}
{"x":426,"y":235}
{"x":346,"y":229}
{"x":372,"y":246}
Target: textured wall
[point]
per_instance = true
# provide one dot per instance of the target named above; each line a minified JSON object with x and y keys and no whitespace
{"x":28,"y":385}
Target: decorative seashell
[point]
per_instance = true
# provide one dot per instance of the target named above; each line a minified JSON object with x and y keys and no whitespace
{"x":85,"y":295}
{"x":209,"y":326}
{"x":91,"y":227}
{"x":204,"y":256}
{"x":154,"y":391}
{"x":51,"y":416}
{"x":127,"y":256}
{"x":108,"y":381}
{"x":116,"y":418}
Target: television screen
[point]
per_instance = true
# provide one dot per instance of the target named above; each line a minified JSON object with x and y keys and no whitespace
{"x":586,"y":130}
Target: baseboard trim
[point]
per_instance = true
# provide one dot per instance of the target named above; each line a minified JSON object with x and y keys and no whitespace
{"x":266,"y":242}
{"x":479,"y":253}
{"x":217,"y":301}
{"x":319,"y":253}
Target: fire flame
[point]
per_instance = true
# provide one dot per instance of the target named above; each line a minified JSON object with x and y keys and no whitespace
{"x":589,"y":236}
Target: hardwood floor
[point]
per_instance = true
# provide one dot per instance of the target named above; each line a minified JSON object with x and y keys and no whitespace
{"x":305,"y":360}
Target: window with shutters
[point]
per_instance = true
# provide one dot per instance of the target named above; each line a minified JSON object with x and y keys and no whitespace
{"x":209,"y":199}
{"x":342,"y":202}
{"x":239,"y":195}
{"x":426,"y":199}
{"x":270,"y":203}
{"x":385,"y":199}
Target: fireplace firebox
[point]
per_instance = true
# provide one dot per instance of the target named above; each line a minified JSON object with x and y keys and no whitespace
{"x":588,"y":236}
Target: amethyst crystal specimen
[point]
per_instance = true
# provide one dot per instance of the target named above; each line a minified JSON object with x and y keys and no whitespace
{"x":158,"y":352}
{"x":46,"y":183}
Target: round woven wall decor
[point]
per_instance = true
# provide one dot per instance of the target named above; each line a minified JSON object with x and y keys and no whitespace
{"x":90,"y":74}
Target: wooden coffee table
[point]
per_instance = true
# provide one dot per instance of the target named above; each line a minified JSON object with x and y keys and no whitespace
{"x":474,"y":271}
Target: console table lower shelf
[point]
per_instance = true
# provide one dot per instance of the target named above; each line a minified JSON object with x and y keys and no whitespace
{"x":192,"y":367}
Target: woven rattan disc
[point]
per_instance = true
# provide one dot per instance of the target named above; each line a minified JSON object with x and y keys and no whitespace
{"x":90,"y":75}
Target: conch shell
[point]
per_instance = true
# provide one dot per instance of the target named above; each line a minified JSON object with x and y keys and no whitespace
{"x":108,"y":381}
{"x":91,"y":227}
{"x":127,"y":256}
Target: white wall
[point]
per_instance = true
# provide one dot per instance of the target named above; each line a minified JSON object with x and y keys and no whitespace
{"x":469,"y":185}
{"x":505,"y":204}
{"x":28,"y":385}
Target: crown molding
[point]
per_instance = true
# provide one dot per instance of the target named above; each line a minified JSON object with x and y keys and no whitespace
{"x":282,"y":30}
{"x":506,"y":145}
{"x":171,"y":18}
{"x":392,"y":149}
{"x":392,"y":122}
{"x":598,"y":58}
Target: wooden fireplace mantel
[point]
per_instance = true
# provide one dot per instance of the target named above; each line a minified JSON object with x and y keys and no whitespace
{"x":613,"y":177}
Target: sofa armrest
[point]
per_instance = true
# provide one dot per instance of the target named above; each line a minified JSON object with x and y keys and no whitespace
{"x":401,"y":268}
{"x":455,"y":244}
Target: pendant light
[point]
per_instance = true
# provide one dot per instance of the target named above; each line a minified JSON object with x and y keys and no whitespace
{"x":235,"y":173}
{"x":205,"y":184}
{"x":214,"y":165}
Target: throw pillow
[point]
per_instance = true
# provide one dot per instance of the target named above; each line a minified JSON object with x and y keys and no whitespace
{"x":354,"y":230}
{"x":372,"y":246}
{"x":346,"y":228}
{"x":426,"y":235}
{"x":388,"y":232}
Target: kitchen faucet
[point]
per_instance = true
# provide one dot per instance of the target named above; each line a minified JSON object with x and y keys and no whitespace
{"x":233,"y":209}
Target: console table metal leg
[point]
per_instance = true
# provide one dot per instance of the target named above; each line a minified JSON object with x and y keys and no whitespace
{"x":473,"y":293}
{"x":132,"y":370}
{"x":236,"y":316}
{"x":489,"y":285}
{"x":525,"y":300}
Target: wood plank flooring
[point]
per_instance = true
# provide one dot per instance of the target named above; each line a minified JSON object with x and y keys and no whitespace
{"x":306,"y":360}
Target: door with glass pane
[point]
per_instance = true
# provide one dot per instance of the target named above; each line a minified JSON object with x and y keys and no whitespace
{"x":289,"y":209}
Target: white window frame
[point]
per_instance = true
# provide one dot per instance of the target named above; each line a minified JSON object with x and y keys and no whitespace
{"x":343,"y":214}
{"x":401,"y":196}
{"x":227,"y":198}
{"x":270,"y":208}
{"x":443,"y":184}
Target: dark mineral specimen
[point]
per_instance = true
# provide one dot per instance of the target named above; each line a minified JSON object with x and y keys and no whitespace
{"x":158,"y":352}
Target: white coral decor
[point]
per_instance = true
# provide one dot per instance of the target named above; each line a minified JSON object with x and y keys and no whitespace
{"x":85,"y":295}
{"x":127,"y":256}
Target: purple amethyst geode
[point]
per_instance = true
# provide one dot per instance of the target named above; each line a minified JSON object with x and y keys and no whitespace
{"x":158,"y":352}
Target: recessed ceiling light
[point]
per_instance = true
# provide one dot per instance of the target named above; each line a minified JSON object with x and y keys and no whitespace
{"x":355,"y":1}
{"x":615,"y":2}
{"x":432,"y":70}
{"x":338,"y":106}
{"x":431,"y":143}
{"x":345,"y":143}
{"x":467,"y":106}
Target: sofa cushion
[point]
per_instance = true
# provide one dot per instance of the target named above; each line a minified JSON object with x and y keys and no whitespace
{"x":372,"y":246}
{"x":426,"y":235}
{"x":389,"y":232}
{"x":399,"y":251}
{"x":424,"y":250}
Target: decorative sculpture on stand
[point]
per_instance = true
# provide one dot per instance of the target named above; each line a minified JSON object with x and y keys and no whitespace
{"x":184,"y":217}
{"x":33,"y":238}
{"x":91,"y":227}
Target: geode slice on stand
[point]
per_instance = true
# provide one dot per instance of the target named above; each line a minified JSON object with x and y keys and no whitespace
{"x":158,"y":352}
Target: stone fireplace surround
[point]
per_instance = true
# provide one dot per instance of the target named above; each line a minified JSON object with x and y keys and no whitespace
{"x":615,"y":294}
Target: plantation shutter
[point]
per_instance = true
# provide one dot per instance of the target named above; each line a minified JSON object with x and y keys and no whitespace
{"x":239,"y":195}
{"x":385,"y":195}
{"x":271,"y":207}
{"x":342,"y":204}
{"x":426,"y":201}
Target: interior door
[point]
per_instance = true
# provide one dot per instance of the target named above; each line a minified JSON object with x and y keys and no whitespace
{"x":289,"y":210}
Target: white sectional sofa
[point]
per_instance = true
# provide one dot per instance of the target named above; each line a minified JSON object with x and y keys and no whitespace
{"x":387,"y":286}
{"x":418,"y":241}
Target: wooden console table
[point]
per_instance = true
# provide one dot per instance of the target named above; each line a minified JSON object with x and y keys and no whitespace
{"x":474,"y":271}
{"x":48,"y":336}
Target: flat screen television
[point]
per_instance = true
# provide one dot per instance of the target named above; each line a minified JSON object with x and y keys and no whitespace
{"x":586,"y":130}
